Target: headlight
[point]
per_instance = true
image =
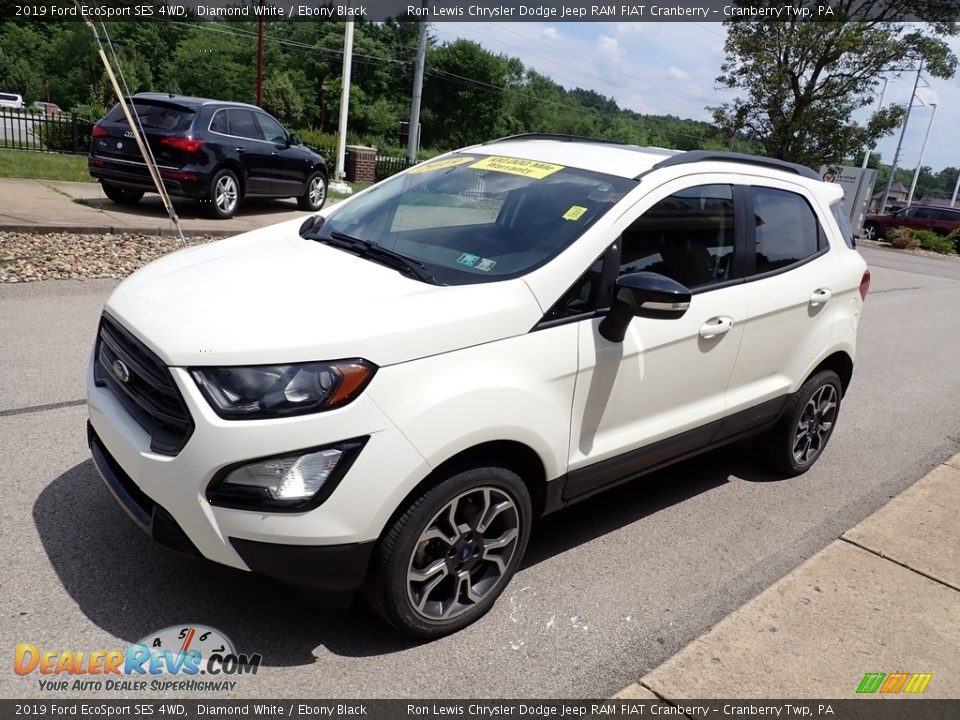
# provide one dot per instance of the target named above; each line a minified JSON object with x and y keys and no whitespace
{"x":294,"y":482}
{"x":269,"y":391}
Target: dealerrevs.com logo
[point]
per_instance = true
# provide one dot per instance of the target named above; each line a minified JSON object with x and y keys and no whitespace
{"x":184,"y":658}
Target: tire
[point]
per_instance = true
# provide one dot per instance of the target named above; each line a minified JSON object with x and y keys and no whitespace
{"x":224,"y":196}
{"x":871,"y":232}
{"x":316,"y":193}
{"x":120,"y":195}
{"x":429,"y":578}
{"x":798,"y":439}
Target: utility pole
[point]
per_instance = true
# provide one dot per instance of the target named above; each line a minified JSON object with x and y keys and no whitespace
{"x":923,"y":147}
{"x":340,"y":185}
{"x":903,"y":132}
{"x":413,"y":131}
{"x":883,"y":94}
{"x":863,"y":207}
{"x":260,"y":58}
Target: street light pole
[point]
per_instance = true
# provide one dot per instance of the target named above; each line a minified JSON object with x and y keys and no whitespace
{"x":413,"y":129}
{"x":923,"y":147}
{"x":883,"y":94}
{"x":903,"y":132}
{"x":340,"y":185}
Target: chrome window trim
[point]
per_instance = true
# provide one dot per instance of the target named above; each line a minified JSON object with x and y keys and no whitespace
{"x":239,"y":137}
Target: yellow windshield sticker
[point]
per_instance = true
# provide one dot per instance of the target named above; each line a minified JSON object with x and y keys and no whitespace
{"x":441,"y":164}
{"x":574,"y":213}
{"x":514,"y":166}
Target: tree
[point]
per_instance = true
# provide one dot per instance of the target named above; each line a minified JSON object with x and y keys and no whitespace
{"x":804,"y":79}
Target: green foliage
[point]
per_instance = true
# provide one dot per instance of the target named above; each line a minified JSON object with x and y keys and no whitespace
{"x":906,"y":238}
{"x":803,"y":81}
{"x":67,"y":135}
{"x":282,"y":99}
{"x":902,"y":238}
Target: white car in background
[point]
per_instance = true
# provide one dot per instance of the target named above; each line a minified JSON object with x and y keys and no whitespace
{"x":11,"y":100}
{"x":386,"y":397}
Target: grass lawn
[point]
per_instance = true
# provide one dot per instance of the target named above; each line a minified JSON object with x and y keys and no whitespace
{"x":43,"y":166}
{"x":53,"y":166}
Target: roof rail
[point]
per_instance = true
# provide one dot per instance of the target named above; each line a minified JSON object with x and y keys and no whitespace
{"x":692,"y":156}
{"x":552,"y":136}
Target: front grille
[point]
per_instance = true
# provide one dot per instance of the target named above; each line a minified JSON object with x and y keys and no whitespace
{"x":147,"y":392}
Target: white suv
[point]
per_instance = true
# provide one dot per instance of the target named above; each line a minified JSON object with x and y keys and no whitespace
{"x":387,"y":396}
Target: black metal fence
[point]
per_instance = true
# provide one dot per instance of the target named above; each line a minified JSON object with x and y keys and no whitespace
{"x":29,"y":130}
{"x":388,"y":165}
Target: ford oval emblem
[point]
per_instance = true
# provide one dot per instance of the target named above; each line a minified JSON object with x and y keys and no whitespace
{"x":121,"y":370}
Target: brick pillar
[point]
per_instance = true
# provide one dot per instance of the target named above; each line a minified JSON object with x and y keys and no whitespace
{"x":361,"y":163}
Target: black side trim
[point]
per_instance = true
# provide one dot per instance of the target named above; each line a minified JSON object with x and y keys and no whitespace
{"x":321,"y":567}
{"x":637,"y":462}
{"x":583,"y":482}
{"x":693,"y":156}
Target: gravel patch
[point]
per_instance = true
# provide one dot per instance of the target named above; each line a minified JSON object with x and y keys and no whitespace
{"x":27,"y":257}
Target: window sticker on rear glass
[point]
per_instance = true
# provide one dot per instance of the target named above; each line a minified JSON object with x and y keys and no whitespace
{"x":527,"y":168}
{"x":485,"y":265}
{"x":468,"y":259}
{"x":574,"y":213}
{"x":441,"y":164}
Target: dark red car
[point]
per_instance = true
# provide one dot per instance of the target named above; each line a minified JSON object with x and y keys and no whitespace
{"x":942,"y":220}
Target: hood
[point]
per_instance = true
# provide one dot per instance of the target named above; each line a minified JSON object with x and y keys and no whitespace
{"x":269,"y":296}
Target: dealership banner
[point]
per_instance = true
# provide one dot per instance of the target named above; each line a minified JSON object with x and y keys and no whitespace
{"x":457,"y":11}
{"x":914,"y":708}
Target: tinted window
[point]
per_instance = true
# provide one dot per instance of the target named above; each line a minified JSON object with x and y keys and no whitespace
{"x":948,"y":215}
{"x":157,"y":117}
{"x":219,"y":123}
{"x":271,"y":129}
{"x":688,"y":237}
{"x":840,"y":215}
{"x":242,"y":124}
{"x":927,"y":214}
{"x":787,"y":229}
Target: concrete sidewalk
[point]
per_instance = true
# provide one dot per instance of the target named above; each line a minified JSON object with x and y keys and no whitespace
{"x":59,"y":206}
{"x":883,"y":598}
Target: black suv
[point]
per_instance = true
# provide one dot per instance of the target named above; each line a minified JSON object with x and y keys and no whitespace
{"x":214,"y":151}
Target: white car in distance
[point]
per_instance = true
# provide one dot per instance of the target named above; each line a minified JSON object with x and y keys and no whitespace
{"x":385,"y":397}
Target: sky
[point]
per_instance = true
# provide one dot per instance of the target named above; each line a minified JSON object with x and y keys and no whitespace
{"x":671,"y":68}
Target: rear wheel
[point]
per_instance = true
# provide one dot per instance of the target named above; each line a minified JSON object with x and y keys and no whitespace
{"x":224,"y":194}
{"x":449,"y":556}
{"x":799,"y":438}
{"x":316,"y":193}
{"x":121,"y":195}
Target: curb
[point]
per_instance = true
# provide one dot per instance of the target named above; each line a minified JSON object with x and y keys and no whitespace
{"x":764,"y":638}
{"x":112,"y":230}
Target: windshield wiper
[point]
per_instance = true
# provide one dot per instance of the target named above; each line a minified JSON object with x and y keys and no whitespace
{"x":378,"y":254}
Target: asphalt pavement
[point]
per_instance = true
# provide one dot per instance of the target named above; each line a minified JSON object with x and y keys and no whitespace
{"x":610,"y":589}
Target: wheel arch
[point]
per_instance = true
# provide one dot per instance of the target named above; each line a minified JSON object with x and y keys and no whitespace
{"x":509,"y":454}
{"x":841,"y":363}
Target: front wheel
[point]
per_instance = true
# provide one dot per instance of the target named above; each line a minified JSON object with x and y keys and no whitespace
{"x":797,"y":441}
{"x":315,"y":195}
{"x":871,"y":232}
{"x":447,"y":558}
{"x":224,"y":196}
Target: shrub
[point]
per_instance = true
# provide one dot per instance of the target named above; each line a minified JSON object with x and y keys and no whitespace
{"x":930,"y":240}
{"x":65,"y":134}
{"x":902,"y":238}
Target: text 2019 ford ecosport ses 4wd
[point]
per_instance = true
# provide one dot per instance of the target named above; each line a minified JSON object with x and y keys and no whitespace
{"x":386,"y":396}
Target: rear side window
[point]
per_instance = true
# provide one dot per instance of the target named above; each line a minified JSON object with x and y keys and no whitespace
{"x":242,"y":124}
{"x":219,"y":123}
{"x":155,"y":117}
{"x":786,"y":228}
{"x":11,"y":98}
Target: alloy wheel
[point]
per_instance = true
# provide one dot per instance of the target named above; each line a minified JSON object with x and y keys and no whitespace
{"x":815,"y":425}
{"x":318,"y":191}
{"x":225,"y":194}
{"x":463,"y":553}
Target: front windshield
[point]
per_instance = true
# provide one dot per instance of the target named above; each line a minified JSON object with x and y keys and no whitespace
{"x":474,"y":218}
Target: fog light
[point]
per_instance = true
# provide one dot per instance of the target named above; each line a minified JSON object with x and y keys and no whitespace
{"x":291,"y":478}
{"x":288,"y":482}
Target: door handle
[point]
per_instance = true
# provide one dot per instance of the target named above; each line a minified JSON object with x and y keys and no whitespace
{"x":716,"y":326}
{"x":239,"y":150}
{"x":820,"y":296}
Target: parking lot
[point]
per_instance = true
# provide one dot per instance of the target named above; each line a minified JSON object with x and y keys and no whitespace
{"x":609,"y":588}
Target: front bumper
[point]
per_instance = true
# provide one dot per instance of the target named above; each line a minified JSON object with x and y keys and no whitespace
{"x":327,"y":547}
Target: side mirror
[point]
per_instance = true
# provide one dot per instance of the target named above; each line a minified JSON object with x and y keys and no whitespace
{"x":647,"y":295}
{"x":294,"y":140}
